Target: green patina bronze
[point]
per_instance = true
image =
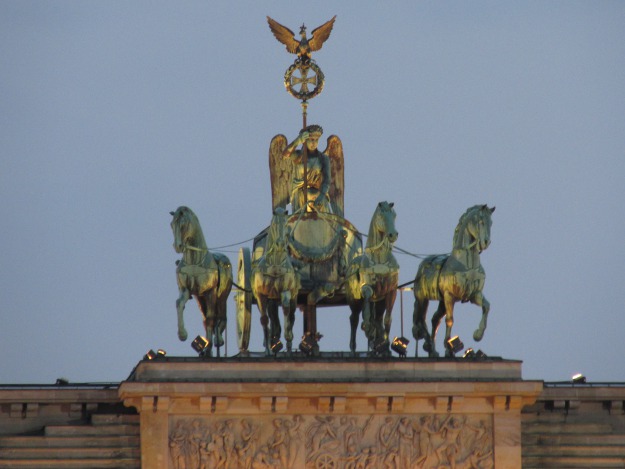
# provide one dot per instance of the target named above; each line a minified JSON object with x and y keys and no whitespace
{"x":454,"y":277}
{"x":371,"y":282}
{"x":201,"y":274}
{"x":274,"y":282}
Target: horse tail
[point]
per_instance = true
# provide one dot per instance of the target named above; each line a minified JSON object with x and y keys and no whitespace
{"x":224,"y":272}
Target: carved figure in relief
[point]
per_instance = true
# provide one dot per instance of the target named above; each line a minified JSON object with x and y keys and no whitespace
{"x":262,"y":459}
{"x":321,"y":432}
{"x":425,"y":441}
{"x":448,"y":451}
{"x":177,"y":446}
{"x":407,"y":441}
{"x":246,"y":448}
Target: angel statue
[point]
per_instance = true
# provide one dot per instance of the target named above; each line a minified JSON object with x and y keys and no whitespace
{"x":319,"y":180}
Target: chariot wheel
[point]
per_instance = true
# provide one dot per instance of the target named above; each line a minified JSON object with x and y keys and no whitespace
{"x":243,"y":299}
{"x":325,"y":461}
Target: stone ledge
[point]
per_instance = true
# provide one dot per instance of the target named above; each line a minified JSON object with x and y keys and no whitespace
{"x":324,"y":370}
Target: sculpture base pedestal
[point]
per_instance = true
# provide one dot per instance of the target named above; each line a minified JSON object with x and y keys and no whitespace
{"x":329,"y":412}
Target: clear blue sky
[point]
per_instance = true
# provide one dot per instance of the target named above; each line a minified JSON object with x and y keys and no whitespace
{"x":115,"y":113}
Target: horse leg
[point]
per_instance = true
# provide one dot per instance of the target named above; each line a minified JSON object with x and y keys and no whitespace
{"x":356,"y":308}
{"x":273,"y":306}
{"x":419,"y":329}
{"x":264,"y":321}
{"x":436,"y":321}
{"x":367,"y":314}
{"x":479,"y":300}
{"x":449,"y":322}
{"x":207,"y":305}
{"x":381,"y":342}
{"x":289,"y":317}
{"x":389,"y":303}
{"x":180,"y":302}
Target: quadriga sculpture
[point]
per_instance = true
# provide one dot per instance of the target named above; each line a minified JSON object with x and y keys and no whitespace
{"x":449,"y":278}
{"x":275,"y":282}
{"x":372,"y":282}
{"x":206,"y":276}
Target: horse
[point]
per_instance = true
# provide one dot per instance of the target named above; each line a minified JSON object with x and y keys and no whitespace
{"x":371,"y":282}
{"x":449,"y":278}
{"x":275,"y":282}
{"x":205,"y":276}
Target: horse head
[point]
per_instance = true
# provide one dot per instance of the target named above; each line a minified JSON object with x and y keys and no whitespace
{"x":383,"y":224}
{"x":184,"y":226}
{"x":474,"y":228}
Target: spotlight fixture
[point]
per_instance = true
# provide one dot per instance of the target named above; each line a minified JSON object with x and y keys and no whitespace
{"x":307,"y":345}
{"x":276,"y":346}
{"x":200,"y":345}
{"x":455,"y":344}
{"x":62,"y":382}
{"x":152,"y":355}
{"x":579,"y":379}
{"x":400,"y":346}
{"x":469,"y":353}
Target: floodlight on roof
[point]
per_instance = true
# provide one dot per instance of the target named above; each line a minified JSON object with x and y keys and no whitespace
{"x":276,"y":346}
{"x":152,"y":355}
{"x":307,"y":345}
{"x":455,"y":344}
{"x":201,"y":345}
{"x":400,"y":346}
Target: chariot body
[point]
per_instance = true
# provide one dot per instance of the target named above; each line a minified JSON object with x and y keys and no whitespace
{"x":319,"y":245}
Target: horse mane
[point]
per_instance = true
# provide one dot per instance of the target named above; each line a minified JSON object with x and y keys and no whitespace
{"x":462,"y":223}
{"x":373,"y":238}
{"x":186,"y":216}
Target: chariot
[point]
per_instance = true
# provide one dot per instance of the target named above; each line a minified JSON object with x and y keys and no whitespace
{"x":318,"y":245}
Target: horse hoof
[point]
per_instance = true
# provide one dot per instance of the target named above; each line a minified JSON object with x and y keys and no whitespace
{"x":433,"y":354}
{"x":182,"y":336}
{"x":477,"y":335}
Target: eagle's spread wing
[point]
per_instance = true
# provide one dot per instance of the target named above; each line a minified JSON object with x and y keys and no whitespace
{"x":334,"y":150}
{"x":280,"y":171}
{"x":285,"y":35}
{"x":319,"y":35}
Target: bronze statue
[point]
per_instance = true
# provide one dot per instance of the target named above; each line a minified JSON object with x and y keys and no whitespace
{"x":322,"y":187}
{"x":206,"y":276}
{"x":449,"y":278}
{"x":275,"y":282}
{"x":371,"y":282}
{"x":304,"y":47}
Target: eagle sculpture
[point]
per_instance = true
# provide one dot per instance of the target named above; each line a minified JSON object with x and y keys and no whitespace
{"x":303,"y":47}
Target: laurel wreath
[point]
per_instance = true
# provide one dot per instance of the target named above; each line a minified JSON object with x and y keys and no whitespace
{"x":299,"y":65}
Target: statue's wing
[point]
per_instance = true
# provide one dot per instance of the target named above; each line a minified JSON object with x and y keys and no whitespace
{"x":284,"y":35}
{"x":334,"y":150}
{"x":280,"y":170}
{"x":320,"y":34}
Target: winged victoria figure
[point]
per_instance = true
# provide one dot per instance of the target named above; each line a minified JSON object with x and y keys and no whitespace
{"x":303,"y":47}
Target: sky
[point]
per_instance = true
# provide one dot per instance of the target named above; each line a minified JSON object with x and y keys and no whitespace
{"x":113,"y":114}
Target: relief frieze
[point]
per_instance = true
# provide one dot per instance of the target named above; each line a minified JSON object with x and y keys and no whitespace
{"x":430,"y":441}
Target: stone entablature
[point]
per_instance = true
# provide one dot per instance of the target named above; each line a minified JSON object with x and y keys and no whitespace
{"x":193,"y":412}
